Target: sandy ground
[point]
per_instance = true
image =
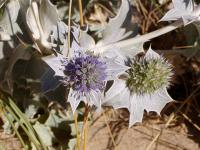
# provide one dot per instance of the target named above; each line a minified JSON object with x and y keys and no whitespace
{"x":140,"y":136}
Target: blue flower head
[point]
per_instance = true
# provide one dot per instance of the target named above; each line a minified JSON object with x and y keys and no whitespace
{"x":85,"y":74}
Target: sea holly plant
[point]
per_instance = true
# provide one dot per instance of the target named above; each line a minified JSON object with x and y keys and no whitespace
{"x":142,"y":87}
{"x":86,"y":61}
{"x":85,"y":74}
{"x":34,"y":61}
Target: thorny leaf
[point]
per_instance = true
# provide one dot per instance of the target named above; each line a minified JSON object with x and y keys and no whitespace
{"x":9,"y":18}
{"x":21,"y":52}
{"x":183,"y":9}
{"x":45,"y":133}
{"x":119,"y":27}
{"x":41,"y":19}
{"x":4,"y":36}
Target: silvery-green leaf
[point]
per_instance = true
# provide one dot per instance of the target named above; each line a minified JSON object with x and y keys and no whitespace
{"x":6,"y":125}
{"x":114,"y":69}
{"x":49,"y":75}
{"x":72,"y":144}
{"x":113,"y":53}
{"x":8,"y":20}
{"x":73,"y":127}
{"x":86,"y":41}
{"x":48,"y":16}
{"x":22,"y":52}
{"x":60,"y":32}
{"x":41,"y":18}
{"x":150,"y":54}
{"x":183,"y":4}
{"x":188,"y":19}
{"x":149,"y":102}
{"x":136,"y":110}
{"x":31,"y":110}
{"x":122,"y":100}
{"x":183,"y":9}
{"x":45,"y":134}
{"x":4,"y":36}
{"x":33,"y":20}
{"x":55,"y":62}
{"x":156,"y":101}
{"x":116,"y":88}
{"x":117,"y":96}
{"x":125,"y":50}
{"x":55,"y":120}
{"x":131,"y":50}
{"x":94,"y":98}
{"x":74,"y":99}
{"x":120,"y":27}
{"x":1,"y":51}
{"x":60,"y":36}
{"x":32,"y":106}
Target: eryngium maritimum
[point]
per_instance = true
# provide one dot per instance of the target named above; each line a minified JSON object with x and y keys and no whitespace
{"x":85,"y":74}
{"x":144,"y":88}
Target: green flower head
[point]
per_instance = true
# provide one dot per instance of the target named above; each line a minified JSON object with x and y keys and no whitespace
{"x":146,"y":75}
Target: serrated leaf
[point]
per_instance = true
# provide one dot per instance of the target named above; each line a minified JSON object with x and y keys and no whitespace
{"x":55,"y":120}
{"x":45,"y":134}
{"x":21,"y":52}
{"x":120,"y":27}
{"x":72,"y":144}
{"x":48,"y":16}
{"x":73,"y":127}
{"x":4,"y":36}
{"x":183,"y":9}
{"x":41,"y":18}
{"x":49,"y":75}
{"x":86,"y":41}
{"x":9,"y":18}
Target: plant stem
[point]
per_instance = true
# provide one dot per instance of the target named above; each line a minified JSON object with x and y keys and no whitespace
{"x":142,"y":38}
{"x":81,"y":12}
{"x":85,"y":127}
{"x":14,"y":128}
{"x":109,"y":130}
{"x":77,"y":132}
{"x":69,"y":28}
{"x":85,"y":134}
{"x":28,"y":128}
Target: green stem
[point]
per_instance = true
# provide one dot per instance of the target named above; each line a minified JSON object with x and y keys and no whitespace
{"x":13,"y":126}
{"x":26,"y":122}
{"x":30,"y":134}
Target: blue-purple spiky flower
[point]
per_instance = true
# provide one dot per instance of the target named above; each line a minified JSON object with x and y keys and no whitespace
{"x":86,"y":73}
